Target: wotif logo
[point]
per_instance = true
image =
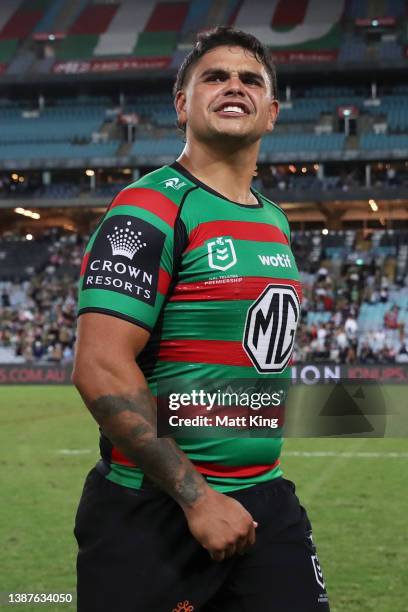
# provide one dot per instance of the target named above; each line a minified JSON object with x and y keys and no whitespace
{"x":275,"y":260}
{"x":125,"y":241}
{"x":221,"y":254}
{"x":174,"y":183}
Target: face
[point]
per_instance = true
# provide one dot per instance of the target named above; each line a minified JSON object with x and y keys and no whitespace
{"x":227,"y":95}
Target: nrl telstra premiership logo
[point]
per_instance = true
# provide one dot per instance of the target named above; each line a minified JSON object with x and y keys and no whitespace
{"x":174,"y":182}
{"x":125,"y":241}
{"x":221,"y":254}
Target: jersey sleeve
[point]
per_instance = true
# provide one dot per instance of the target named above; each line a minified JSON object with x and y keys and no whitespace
{"x":128,"y":262}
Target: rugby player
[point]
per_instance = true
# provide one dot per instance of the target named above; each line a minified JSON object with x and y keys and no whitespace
{"x":190,"y":274}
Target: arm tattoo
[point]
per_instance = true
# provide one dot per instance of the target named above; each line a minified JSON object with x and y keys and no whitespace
{"x":130,"y":423}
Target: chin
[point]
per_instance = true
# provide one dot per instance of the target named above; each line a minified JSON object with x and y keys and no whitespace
{"x":244,"y":136}
{"x":231,"y":132}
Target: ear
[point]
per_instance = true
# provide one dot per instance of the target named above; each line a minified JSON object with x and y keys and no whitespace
{"x":273,"y":115}
{"x":180,"y":106}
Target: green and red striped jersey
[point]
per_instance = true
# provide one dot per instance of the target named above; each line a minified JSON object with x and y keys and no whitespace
{"x":216,"y":284}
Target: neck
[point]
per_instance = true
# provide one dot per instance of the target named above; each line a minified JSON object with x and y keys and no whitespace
{"x":228,"y":172}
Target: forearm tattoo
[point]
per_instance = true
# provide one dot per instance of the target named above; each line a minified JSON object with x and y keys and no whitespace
{"x":130,"y":424}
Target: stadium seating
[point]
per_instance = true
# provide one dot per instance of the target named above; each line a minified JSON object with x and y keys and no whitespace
{"x":59,"y":191}
{"x":384,"y":141}
{"x":62,"y":130}
{"x":47,"y":129}
{"x":171,"y":147}
{"x":7,"y":8}
{"x":46,"y":23}
{"x":389,"y":51}
{"x":300,"y":142}
{"x":396,"y":8}
{"x":79,"y":46}
{"x":58,"y":150}
{"x":17,"y":262}
{"x":121,"y":35}
{"x":84,"y":33}
{"x":155,"y":44}
{"x":139,"y":29}
{"x":395,"y":108}
{"x":352,"y":50}
{"x":357,"y":9}
{"x":23,"y":19}
{"x":126,"y":28}
{"x":196,"y":16}
{"x":8,"y":47}
{"x":94,"y":19}
{"x":79,"y":118}
{"x":370,"y":9}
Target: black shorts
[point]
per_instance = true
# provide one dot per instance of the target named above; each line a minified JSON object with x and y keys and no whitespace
{"x":136,"y":554}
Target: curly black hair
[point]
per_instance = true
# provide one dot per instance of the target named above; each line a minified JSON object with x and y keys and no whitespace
{"x":218,"y":37}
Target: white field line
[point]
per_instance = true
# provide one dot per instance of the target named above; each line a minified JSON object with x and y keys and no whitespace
{"x":74,"y":451}
{"x":346,"y":455}
{"x":337,"y":463}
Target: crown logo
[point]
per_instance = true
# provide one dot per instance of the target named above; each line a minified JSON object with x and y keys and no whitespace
{"x":126,"y":241}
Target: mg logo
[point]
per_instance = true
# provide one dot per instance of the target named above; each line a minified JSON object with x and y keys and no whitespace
{"x":270,"y":328}
{"x":221,"y":254}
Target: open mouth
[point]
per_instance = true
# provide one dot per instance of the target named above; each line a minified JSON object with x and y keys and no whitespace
{"x":232,"y":110}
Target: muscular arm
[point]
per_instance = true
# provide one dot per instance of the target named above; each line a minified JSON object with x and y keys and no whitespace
{"x":116,"y":393}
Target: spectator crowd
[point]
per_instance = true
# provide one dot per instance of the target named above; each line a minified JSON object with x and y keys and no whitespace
{"x":331,"y":317}
{"x":37,"y":313}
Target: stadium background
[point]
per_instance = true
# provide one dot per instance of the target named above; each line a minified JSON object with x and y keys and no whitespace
{"x":85,"y":109}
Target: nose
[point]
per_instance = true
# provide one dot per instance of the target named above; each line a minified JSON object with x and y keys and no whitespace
{"x":235,"y":86}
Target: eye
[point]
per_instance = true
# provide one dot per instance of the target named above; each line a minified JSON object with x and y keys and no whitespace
{"x":215,"y":78}
{"x":251,"y":80}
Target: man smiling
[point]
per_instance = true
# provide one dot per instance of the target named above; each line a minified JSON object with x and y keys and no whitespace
{"x":207,"y":525}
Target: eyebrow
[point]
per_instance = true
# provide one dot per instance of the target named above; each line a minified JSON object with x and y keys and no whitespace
{"x":225,"y":73}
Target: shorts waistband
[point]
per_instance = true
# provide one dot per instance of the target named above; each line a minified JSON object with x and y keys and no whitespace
{"x":103,"y":468}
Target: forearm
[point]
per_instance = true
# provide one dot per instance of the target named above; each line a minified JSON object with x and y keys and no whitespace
{"x":129,"y":421}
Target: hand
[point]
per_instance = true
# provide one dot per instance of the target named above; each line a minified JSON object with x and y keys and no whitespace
{"x":221,"y":525}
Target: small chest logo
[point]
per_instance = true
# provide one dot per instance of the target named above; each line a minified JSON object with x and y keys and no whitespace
{"x":174,"y":183}
{"x":221,"y":254}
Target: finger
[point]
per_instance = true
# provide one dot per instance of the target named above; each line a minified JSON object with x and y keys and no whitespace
{"x":247,"y":541}
{"x":242,"y":545}
{"x":230,"y":551}
{"x":217,"y":556}
{"x":251,"y":535}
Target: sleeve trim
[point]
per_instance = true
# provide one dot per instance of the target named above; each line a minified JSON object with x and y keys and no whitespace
{"x":113,"y":313}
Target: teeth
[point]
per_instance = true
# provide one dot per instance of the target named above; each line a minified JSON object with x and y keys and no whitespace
{"x":232,"y":109}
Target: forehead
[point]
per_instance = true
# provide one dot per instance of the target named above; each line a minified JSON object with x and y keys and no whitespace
{"x":230,"y":59}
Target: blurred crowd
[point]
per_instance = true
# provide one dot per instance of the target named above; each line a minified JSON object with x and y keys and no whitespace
{"x":278,"y":177}
{"x":37,"y":315}
{"x":269,"y":177}
{"x":333,"y":333}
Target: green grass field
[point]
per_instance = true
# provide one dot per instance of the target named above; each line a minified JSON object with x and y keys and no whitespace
{"x":355,"y":490}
